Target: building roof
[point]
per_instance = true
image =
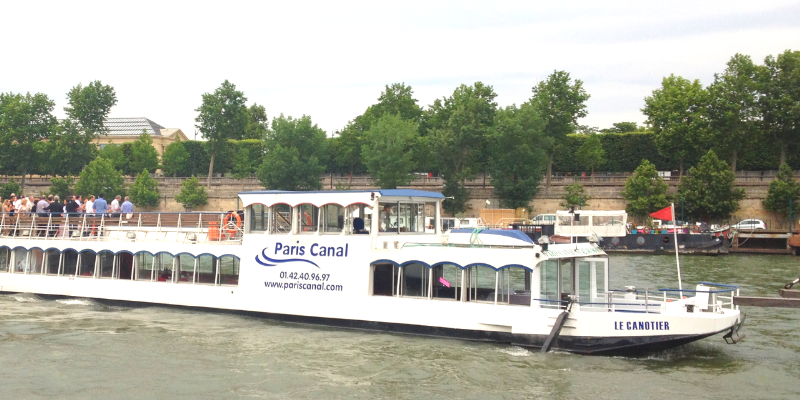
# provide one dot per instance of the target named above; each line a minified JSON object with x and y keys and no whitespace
{"x":132,"y":126}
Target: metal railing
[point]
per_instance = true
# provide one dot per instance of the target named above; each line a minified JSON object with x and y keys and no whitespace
{"x":194,"y":227}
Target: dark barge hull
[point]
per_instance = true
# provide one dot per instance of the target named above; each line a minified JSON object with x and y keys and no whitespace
{"x":702,"y":243}
{"x":605,"y":346}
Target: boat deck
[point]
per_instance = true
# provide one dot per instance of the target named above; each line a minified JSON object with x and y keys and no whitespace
{"x":214,"y":228}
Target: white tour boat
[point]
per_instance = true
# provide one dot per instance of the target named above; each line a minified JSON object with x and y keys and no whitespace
{"x":358,"y":259}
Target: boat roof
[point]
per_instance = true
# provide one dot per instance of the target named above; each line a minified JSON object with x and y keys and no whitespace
{"x":340,"y":197}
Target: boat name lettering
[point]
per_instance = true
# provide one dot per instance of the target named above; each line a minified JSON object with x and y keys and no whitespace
{"x":573,"y":252}
{"x":641,"y":326}
{"x":316,"y":250}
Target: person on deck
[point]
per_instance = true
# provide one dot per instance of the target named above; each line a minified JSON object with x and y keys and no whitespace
{"x":100,"y":205}
{"x":127,"y":206}
{"x":40,"y":207}
{"x":114,"y":207}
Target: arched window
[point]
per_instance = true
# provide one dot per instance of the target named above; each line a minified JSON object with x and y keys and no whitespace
{"x":5,"y":259}
{"x":415,"y":280}
{"x":206,"y":269}
{"x":52,"y":261}
{"x":259,"y":218}
{"x":144,"y":266}
{"x":384,"y":279}
{"x":124,"y":266}
{"x":87,"y":264}
{"x":280,"y":216}
{"x":308,"y":218}
{"x":185,"y":266}
{"x":69,"y":262}
{"x":447,"y":282}
{"x":228,"y":270}
{"x":105,"y":263}
{"x":20,"y":260}
{"x":36,"y":261}
{"x":163,"y":266}
{"x":514,"y":286}
{"x":332,"y":218}
{"x":481,"y":280}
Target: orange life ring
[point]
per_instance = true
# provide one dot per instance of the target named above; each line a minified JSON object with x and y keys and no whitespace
{"x":232,"y":230}
{"x":696,"y":229}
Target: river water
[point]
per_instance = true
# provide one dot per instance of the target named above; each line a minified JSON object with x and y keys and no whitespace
{"x":78,"y":349}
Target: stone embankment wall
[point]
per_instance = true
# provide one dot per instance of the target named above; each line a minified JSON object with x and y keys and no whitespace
{"x":605,"y":192}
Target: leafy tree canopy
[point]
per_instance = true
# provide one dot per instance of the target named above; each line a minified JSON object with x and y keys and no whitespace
{"x":623,"y":127}
{"x":783,"y":191}
{"x":295,"y":148}
{"x":388,"y":151}
{"x":100,"y":177}
{"x":192,"y":195}
{"x":575,"y":195}
{"x":69,"y":150}
{"x":175,"y":159}
{"x":115,"y":154}
{"x":25,"y":120}
{"x":89,"y":105}
{"x":709,"y":192}
{"x":144,"y":191}
{"x":222,"y":115}
{"x":645,"y":191}
{"x":143,"y":155}
{"x":62,"y":186}
{"x":257,"y":123}
{"x":591,"y":153}
{"x":779,"y":101}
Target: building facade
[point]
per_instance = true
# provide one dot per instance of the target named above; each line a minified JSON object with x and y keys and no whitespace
{"x":124,"y":130}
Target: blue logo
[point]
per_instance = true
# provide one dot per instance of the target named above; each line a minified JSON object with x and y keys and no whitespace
{"x":271,"y":262}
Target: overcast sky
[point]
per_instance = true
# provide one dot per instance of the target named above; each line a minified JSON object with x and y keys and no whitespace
{"x":331,"y":60}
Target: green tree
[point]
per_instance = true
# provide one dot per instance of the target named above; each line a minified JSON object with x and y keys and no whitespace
{"x":24,"y":121}
{"x":575,"y":195}
{"x":222,"y":116}
{"x":779,"y":101}
{"x":11,"y":187}
{"x":88,"y":106}
{"x":346,"y":148}
{"x":143,"y":154}
{"x":62,"y":186}
{"x":678,"y":116}
{"x":144,"y":191}
{"x":246,"y":163}
{"x":591,"y":153}
{"x":397,"y":99}
{"x":115,"y":154}
{"x":175,"y":159}
{"x":100,"y":177}
{"x":192,"y":195}
{"x":69,"y":149}
{"x":517,"y":162}
{"x":257,"y":123}
{"x":459,"y":136}
{"x":645,"y":191}
{"x":295,"y":149}
{"x":560,"y":101}
{"x":388,"y":151}
{"x":733,"y":107}
{"x":623,"y":127}
{"x":783,"y":191}
{"x":709,"y":191}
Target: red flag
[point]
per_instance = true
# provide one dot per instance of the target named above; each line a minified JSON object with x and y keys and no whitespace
{"x":665,"y":214}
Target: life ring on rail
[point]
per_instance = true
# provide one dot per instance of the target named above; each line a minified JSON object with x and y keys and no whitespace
{"x":228,"y":224}
{"x":695,"y":229}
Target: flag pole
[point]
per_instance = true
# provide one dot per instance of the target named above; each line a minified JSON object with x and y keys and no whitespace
{"x":677,"y":258}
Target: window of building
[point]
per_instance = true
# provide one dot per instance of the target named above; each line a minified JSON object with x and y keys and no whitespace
{"x":280,"y":219}
{"x":384,"y":279}
{"x":415,"y":280}
{"x":228,"y":270}
{"x":36,"y":261}
{"x":163,"y":265}
{"x":206,"y":269}
{"x":105,"y":263}
{"x":86,"y":265}
{"x":144,"y":266}
{"x":5,"y":259}
{"x":308,"y":218}
{"x":447,"y":281}
{"x":332,"y":218}
{"x":259,"y":218}
{"x":481,"y":283}
{"x":514,"y":286}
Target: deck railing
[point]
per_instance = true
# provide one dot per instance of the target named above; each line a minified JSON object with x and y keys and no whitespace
{"x":187,"y":227}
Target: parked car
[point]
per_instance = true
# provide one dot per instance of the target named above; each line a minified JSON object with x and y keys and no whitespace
{"x":749,"y":225}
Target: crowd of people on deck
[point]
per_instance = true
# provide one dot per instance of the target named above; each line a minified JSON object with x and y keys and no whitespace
{"x":73,"y":206}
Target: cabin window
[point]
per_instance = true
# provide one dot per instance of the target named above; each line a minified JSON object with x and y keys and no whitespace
{"x":447,"y":282}
{"x":567,"y":279}
{"x":384,"y":279}
{"x":549,"y":281}
{"x":481,"y":280}
{"x":584,"y":275}
{"x":405,"y":217}
{"x":412,"y":217}
{"x":87,"y":262}
{"x":308,"y":218}
{"x":228,"y":270}
{"x":388,"y":217}
{"x":105,"y":263}
{"x":5,"y":259}
{"x":358,"y":219}
{"x":259,"y":218}
{"x":163,"y":265}
{"x":21,"y":260}
{"x":144,"y":266}
{"x":600,"y":288}
{"x":280,"y":219}
{"x":206,"y":269}
{"x":185,"y":268}
{"x":567,"y":220}
{"x":36,"y":261}
{"x":332,"y":218}
{"x":69,"y":262}
{"x":415,"y":280}
{"x":52,"y":261}
{"x":124,"y":266}
{"x":514,"y":286}
{"x":607,"y":220}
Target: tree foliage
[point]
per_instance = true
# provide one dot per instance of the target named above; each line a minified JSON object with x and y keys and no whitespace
{"x":732,"y":108}
{"x":295,"y":148}
{"x":62,"y":186}
{"x":517,"y":162}
{"x":388,"y":151}
{"x":143,"y":155}
{"x":645,"y":191}
{"x":222,"y":115}
{"x":144,"y":191}
{"x":192,"y":195}
{"x":69,"y":149}
{"x":257,"y":123}
{"x":783,"y":191}
{"x":560,"y":101}
{"x":100,"y":177}
{"x":114,"y":153}
{"x":575,"y":195}
{"x":709,"y":192}
{"x":779,"y":101}
{"x":459,"y":132}
{"x":591,"y":153}
{"x":25,"y":120}
{"x":677,"y":113}
{"x":175,"y":159}
{"x":10,"y":187}
{"x":246,"y":163}
{"x":89,"y":105}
